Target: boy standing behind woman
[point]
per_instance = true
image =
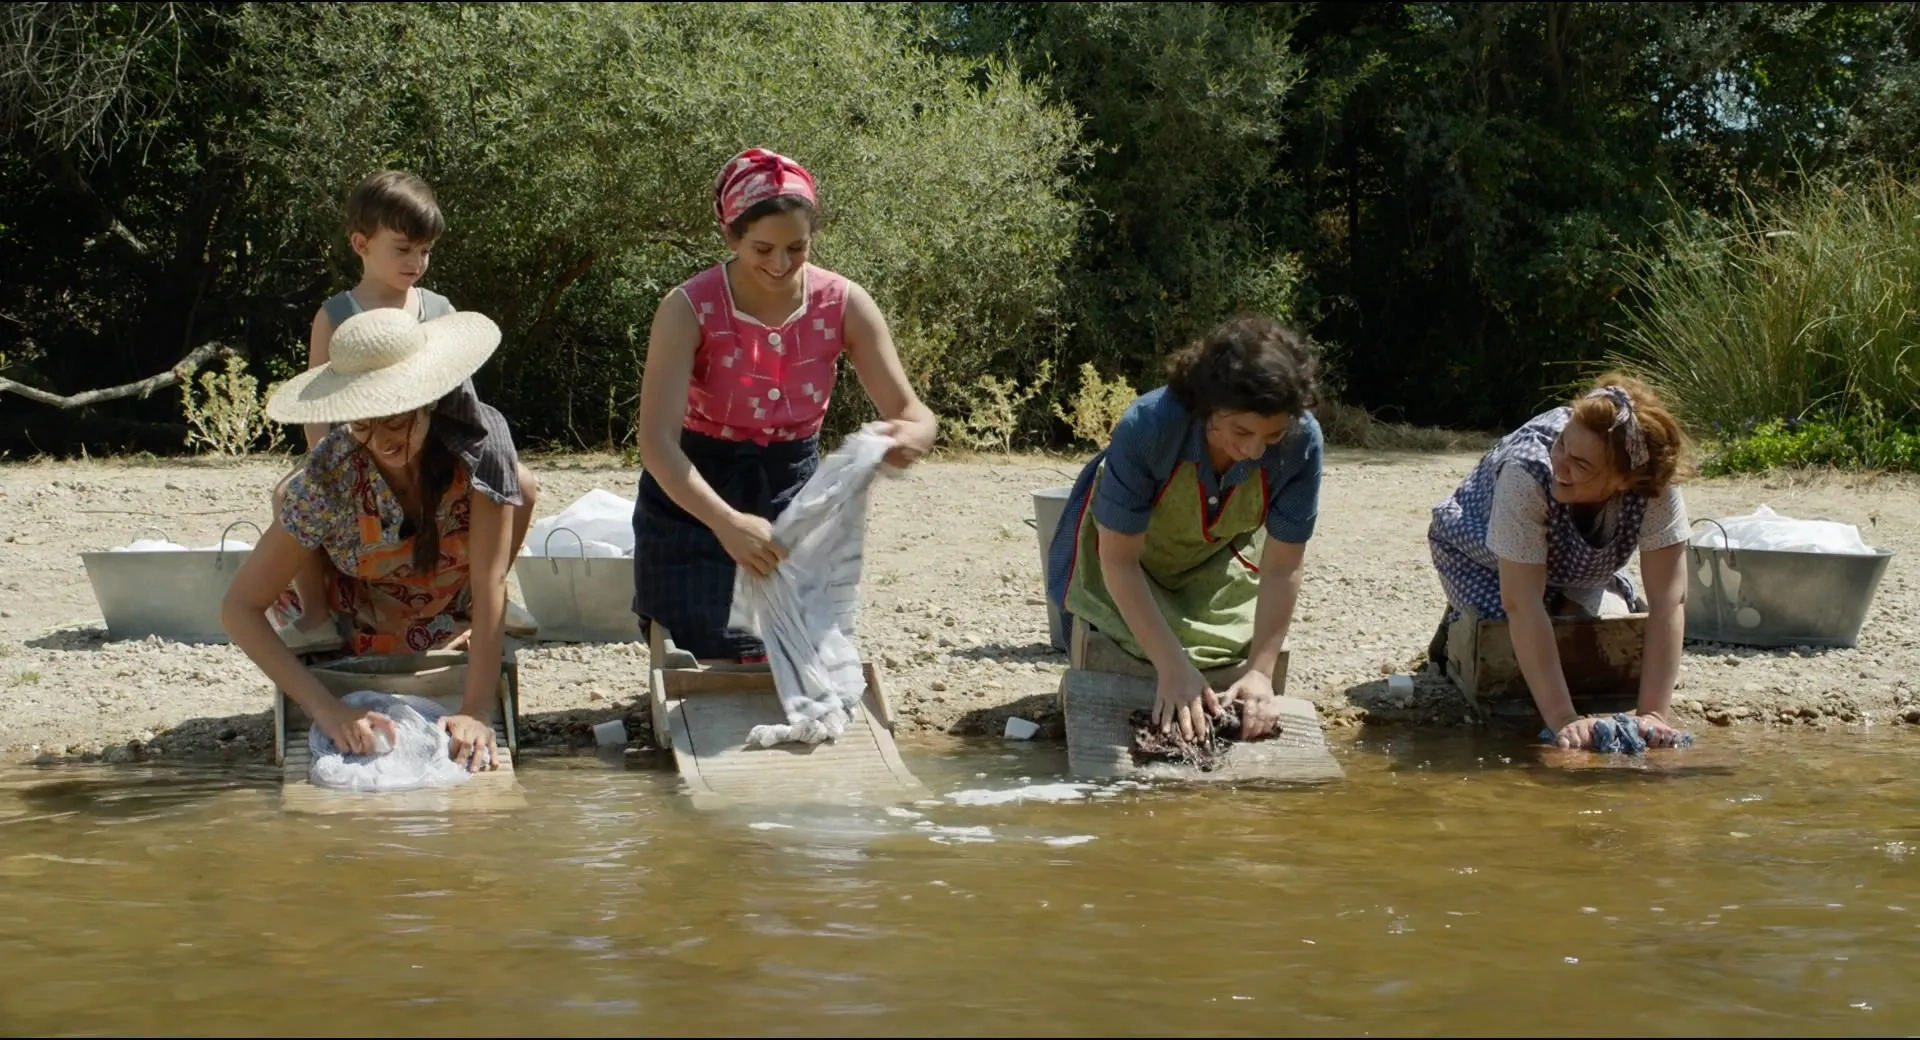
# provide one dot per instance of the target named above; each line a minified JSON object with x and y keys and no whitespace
{"x":392,"y":224}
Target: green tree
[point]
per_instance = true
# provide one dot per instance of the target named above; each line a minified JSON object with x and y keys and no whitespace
{"x":1184,"y":109}
{"x":573,"y":147}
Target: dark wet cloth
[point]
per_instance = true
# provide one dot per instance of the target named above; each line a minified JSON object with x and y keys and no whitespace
{"x":1620,"y":735}
{"x":1205,"y":754}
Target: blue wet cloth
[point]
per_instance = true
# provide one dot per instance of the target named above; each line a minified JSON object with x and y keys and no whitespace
{"x":1620,"y":735}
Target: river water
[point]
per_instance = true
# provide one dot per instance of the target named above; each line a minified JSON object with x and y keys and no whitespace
{"x":1453,"y":884}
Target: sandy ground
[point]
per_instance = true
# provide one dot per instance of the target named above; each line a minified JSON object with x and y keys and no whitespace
{"x":954,"y":614}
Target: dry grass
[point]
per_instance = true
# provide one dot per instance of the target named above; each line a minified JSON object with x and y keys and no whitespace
{"x":1350,"y":426}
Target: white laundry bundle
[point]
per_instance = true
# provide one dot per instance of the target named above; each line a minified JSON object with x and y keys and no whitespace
{"x":419,"y":758}
{"x":1765,"y":529}
{"x":804,"y":611}
{"x":146,"y":545}
{"x":598,"y":523}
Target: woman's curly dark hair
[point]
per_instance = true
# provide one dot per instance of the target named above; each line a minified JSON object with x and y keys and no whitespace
{"x":1249,"y":364}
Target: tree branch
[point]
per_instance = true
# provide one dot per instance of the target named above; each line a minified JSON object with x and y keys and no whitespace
{"x":567,"y":278}
{"x":186,"y":367}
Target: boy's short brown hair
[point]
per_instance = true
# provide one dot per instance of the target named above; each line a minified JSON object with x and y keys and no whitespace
{"x":398,"y":201}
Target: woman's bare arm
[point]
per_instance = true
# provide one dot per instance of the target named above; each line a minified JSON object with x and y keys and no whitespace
{"x":487,"y":543}
{"x":1523,"y":594}
{"x":663,"y":410}
{"x":243,"y":613}
{"x":877,"y":362}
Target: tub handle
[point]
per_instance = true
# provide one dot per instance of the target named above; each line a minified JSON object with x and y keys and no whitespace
{"x":161,"y":531}
{"x":1733,"y":558}
{"x":1719,"y":596}
{"x":1031,"y":522}
{"x":220,"y":557}
{"x":546,"y":547}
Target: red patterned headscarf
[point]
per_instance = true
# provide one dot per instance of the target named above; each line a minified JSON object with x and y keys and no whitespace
{"x":755,"y":176}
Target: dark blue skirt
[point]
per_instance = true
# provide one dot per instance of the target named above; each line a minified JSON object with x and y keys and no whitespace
{"x":682,"y":577}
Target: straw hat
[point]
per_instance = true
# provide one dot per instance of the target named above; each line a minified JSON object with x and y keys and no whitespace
{"x":385,"y":362}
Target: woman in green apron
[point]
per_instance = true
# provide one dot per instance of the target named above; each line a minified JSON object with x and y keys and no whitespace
{"x":1183,"y":540}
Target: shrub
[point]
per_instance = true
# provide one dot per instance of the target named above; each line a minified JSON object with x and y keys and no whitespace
{"x":1796,"y":308}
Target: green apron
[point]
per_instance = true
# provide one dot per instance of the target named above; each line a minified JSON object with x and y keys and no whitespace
{"x":1204,"y":577}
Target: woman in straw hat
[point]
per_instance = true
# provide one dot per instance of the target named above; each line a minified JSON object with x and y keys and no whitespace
{"x":741,"y":364}
{"x":412,"y":553}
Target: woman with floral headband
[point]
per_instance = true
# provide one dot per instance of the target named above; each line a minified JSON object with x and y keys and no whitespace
{"x":1546,"y":525}
{"x":740,"y":368}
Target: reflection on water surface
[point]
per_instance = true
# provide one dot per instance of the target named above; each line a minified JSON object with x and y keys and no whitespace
{"x":1454,"y":884}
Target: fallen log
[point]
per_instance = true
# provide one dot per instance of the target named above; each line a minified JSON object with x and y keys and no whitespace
{"x":181,"y":371}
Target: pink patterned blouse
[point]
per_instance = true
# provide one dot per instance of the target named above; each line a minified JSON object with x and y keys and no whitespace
{"x":755,"y":383}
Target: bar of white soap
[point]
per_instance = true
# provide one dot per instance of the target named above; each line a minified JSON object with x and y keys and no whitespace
{"x":381,"y":745}
{"x":1021,"y":729}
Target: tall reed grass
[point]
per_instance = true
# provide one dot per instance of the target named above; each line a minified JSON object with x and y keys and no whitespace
{"x":1804,"y":305}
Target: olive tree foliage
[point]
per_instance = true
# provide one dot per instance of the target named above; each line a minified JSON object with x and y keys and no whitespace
{"x":573,"y":148}
{"x":1184,"y":108}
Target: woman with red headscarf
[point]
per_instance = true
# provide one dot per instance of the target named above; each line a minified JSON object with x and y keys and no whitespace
{"x":740,"y":368}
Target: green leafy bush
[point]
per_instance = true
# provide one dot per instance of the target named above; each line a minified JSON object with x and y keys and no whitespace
{"x":573,"y":148}
{"x":1853,"y":442}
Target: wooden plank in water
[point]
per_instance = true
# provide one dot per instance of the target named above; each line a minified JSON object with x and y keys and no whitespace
{"x":1100,"y":737}
{"x":1091,"y":651}
{"x":439,"y":676}
{"x":496,"y":790}
{"x":1600,"y":657}
{"x":705,"y":714}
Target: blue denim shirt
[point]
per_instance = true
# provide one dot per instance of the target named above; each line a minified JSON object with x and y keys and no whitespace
{"x":1155,"y":435}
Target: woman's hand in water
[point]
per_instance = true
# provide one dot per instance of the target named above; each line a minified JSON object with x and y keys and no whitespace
{"x":1183,"y":703}
{"x":470,"y":740}
{"x":911,"y":442}
{"x":749,"y":540}
{"x":1656,"y":730}
{"x":352,"y":729}
{"x":1574,"y":735}
{"x":1259,"y":708}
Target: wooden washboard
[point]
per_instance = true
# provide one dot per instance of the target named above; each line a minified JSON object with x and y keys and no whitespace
{"x":1104,"y":684}
{"x":704,"y":710}
{"x":438,"y":675}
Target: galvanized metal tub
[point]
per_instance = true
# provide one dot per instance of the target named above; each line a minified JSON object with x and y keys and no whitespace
{"x":579,"y":599}
{"x":1775,"y":598}
{"x":173,"y":595}
{"x":1049,"y":504}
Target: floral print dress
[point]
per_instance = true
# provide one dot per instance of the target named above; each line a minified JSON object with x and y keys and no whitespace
{"x":340,"y":504}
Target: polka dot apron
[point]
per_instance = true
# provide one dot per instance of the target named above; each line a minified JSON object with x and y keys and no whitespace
{"x":1457,"y":536}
